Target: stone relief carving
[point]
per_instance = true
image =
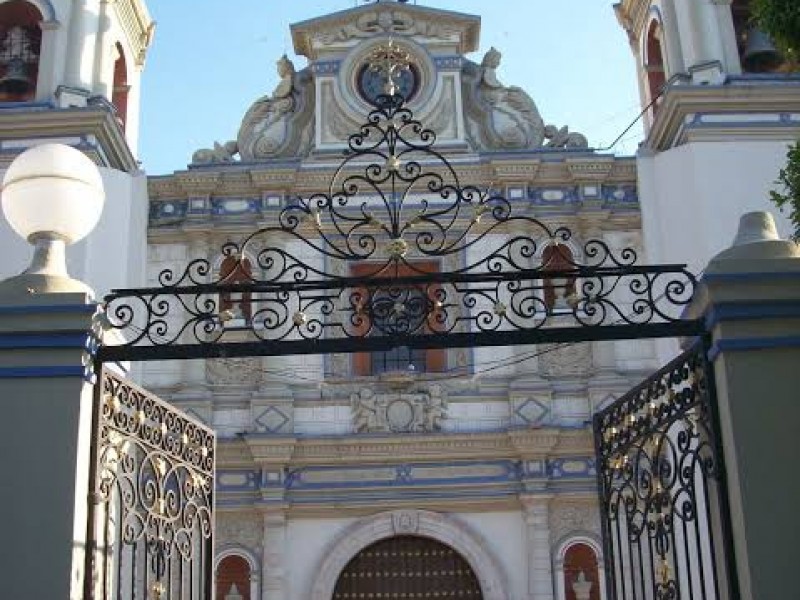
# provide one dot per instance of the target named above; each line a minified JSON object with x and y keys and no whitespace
{"x":235,"y":371}
{"x":280,"y":124}
{"x":568,"y":518}
{"x":239,"y":529}
{"x":337,"y":126}
{"x":405,"y":522}
{"x":417,"y":411}
{"x":559,"y":360}
{"x":442,"y":118}
{"x":501,"y":117}
{"x":394,"y":22}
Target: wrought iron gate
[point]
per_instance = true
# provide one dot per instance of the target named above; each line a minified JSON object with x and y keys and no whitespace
{"x":501,"y":278}
{"x":666,"y":526}
{"x":150,"y":523}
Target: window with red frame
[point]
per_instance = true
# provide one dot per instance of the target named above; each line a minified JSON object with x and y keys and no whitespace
{"x":654,"y":65}
{"x":239,"y":304}
{"x":400,"y":358}
{"x":233,"y":575}
{"x":557,"y":290}
{"x":580,"y":565}
{"x":120,"y":89}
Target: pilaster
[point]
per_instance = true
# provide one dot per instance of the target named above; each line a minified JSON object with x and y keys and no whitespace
{"x":536,"y":512}
{"x":273,"y":569}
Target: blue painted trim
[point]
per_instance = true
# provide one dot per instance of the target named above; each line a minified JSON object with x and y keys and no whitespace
{"x":749,"y":276}
{"x":737,"y":311}
{"x":45,"y":372}
{"x":69,"y":340}
{"x":88,"y":309}
{"x":757,"y":343}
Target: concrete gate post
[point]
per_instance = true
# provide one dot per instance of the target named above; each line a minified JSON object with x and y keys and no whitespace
{"x":46,"y":398}
{"x":750,"y":299}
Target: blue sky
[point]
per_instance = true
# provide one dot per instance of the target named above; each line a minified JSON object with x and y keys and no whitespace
{"x":210,"y":60}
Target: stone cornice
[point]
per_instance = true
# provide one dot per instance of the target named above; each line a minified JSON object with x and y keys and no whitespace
{"x":91,"y":121}
{"x":137,"y":25}
{"x":590,"y":170}
{"x":230,"y":180}
{"x":363,"y":449}
{"x":683,"y":102}
{"x":632,"y":15}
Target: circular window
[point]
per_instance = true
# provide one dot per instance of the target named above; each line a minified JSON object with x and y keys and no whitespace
{"x":372,"y":82}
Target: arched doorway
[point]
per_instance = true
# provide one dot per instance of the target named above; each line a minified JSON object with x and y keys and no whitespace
{"x":407,"y":566}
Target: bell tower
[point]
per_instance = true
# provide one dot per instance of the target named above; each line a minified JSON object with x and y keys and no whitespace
{"x":70,"y":71}
{"x":720,"y":107}
{"x":70,"y":53}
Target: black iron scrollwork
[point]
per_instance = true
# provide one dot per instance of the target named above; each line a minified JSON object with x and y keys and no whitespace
{"x":394,"y":207}
{"x":152,"y":507}
{"x":659,"y":468}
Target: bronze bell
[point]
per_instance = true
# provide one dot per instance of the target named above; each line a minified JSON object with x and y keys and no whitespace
{"x":760,"y":54}
{"x":16,"y":80}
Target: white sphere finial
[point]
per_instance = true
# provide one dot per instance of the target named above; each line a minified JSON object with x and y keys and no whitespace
{"x":52,"y":190}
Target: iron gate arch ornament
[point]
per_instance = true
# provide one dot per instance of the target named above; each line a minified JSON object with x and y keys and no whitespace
{"x":394,"y":201}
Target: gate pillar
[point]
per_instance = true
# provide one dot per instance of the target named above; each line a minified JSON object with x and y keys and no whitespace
{"x":46,"y":398}
{"x":750,"y":299}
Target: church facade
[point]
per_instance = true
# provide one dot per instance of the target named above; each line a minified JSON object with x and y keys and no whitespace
{"x":464,"y":472}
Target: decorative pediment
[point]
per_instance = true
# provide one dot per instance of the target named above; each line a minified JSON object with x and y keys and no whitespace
{"x":345,"y":28}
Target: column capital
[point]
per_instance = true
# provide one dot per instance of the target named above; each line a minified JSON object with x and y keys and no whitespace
{"x":50,"y":25}
{"x":532,"y":502}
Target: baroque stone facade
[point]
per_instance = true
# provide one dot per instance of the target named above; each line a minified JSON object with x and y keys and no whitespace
{"x":486,"y":450}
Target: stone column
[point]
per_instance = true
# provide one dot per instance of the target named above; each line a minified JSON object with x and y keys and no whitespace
{"x":273,"y":570}
{"x":79,"y":68}
{"x":104,"y":56}
{"x":46,"y":395}
{"x":48,"y":63}
{"x":750,"y":298}
{"x":540,"y":565}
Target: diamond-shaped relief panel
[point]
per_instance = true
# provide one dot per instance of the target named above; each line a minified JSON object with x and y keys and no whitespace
{"x":605,"y":403}
{"x":271,"y":420}
{"x":532,"y":412}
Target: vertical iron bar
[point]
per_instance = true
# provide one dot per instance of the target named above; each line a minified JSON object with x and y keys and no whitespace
{"x":90,"y":562}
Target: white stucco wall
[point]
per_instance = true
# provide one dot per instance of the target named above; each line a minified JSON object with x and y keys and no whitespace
{"x":306,"y":542}
{"x":692,"y":196}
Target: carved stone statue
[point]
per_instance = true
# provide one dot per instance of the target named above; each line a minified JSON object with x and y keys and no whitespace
{"x":582,"y":587}
{"x":278,"y":124}
{"x":435,"y":410}
{"x":220,"y":153}
{"x":563,"y":138}
{"x":365,"y":410}
{"x":501,"y":117}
